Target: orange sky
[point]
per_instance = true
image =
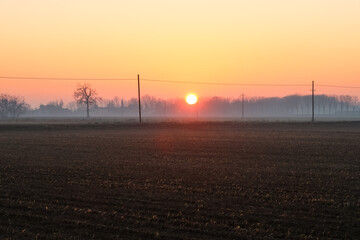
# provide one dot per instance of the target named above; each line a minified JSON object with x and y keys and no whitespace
{"x":258,"y":41}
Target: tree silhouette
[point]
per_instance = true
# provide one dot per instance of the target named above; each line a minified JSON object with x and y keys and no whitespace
{"x":12,"y":106}
{"x":84,"y":94}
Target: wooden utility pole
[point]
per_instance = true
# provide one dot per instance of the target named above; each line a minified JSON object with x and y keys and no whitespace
{"x":139,"y":98}
{"x":313,"y":102}
{"x":242,"y":106}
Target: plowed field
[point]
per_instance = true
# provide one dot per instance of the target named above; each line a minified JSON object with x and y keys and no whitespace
{"x":180,"y":181}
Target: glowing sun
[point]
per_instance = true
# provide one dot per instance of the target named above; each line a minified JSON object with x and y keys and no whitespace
{"x":191,"y":99}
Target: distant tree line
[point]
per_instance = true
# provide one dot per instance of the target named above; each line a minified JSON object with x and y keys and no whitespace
{"x":288,"y":106}
{"x":86,"y":102}
{"x":11,"y":107}
{"x":292,"y":105}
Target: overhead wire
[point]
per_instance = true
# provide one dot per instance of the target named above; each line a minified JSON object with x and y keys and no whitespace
{"x":336,"y":86}
{"x":226,"y":84}
{"x":68,"y":79}
{"x":172,"y":81}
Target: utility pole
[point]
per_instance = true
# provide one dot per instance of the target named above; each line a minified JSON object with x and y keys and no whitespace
{"x":313,"y":102}
{"x":242,"y":106}
{"x":139,"y":98}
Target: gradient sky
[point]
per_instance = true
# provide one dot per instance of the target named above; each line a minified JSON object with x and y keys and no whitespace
{"x":257,"y":41}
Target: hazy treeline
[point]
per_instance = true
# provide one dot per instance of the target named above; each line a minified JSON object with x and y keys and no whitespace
{"x":288,"y":106}
{"x":12,"y":106}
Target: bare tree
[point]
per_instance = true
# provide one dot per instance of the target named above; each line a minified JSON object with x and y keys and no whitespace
{"x":85,"y":94}
{"x":72,"y":106}
{"x":112,"y":103}
{"x":57,"y":103}
{"x":354,"y":103}
{"x":149,"y":104}
{"x":12,"y":106}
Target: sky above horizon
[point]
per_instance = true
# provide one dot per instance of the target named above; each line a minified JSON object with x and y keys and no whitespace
{"x":228,"y":41}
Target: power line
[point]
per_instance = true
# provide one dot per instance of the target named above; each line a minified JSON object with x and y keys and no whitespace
{"x":169,"y":81}
{"x":153,"y":80}
{"x":228,"y":84}
{"x":68,"y":79}
{"x":336,"y":86}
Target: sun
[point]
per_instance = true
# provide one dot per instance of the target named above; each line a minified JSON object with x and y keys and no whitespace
{"x":191,"y":99}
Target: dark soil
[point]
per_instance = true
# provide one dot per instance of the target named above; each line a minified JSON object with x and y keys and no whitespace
{"x":180,"y":181}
